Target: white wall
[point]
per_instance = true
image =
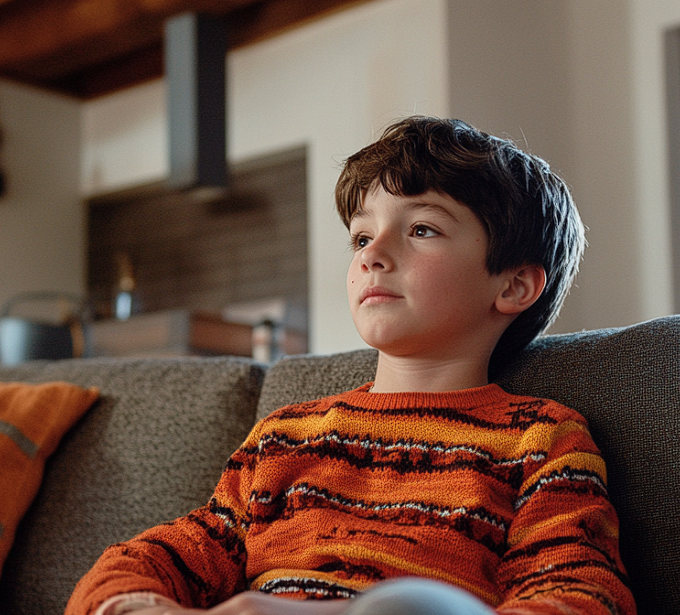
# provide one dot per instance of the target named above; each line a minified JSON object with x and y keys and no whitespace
{"x":331,"y":85}
{"x":650,"y":19}
{"x":621,"y":165}
{"x":42,"y":224}
{"x":602,"y":168}
{"x":125,"y":139}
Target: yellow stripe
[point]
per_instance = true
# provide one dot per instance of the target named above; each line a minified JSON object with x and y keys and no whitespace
{"x":562,"y":521}
{"x":357,"y":553}
{"x":500,"y":444}
{"x":576,"y":461}
{"x":542,"y":436}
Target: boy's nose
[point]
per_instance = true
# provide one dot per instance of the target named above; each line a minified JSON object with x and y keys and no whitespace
{"x":376,"y":256}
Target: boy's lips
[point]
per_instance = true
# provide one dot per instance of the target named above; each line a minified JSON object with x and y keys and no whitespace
{"x":378,"y":294}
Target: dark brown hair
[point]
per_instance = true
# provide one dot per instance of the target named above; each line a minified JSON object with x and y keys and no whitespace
{"x":527,"y":209}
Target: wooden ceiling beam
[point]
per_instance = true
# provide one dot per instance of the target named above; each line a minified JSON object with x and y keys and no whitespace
{"x":38,"y":29}
{"x":50,"y":27}
{"x":259,"y":20}
{"x":91,"y":47}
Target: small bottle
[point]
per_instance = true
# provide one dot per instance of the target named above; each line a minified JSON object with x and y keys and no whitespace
{"x":124,"y":301}
{"x":266,"y":342}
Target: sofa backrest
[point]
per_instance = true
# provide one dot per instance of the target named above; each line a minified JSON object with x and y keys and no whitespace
{"x":626,"y":382}
{"x":150,"y":449}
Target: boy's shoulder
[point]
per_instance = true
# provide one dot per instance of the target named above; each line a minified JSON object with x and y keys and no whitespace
{"x":544,"y":407}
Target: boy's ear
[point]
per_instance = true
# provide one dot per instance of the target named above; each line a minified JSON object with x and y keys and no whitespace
{"x":523,"y":287}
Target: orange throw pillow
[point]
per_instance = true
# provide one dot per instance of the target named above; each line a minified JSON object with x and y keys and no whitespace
{"x":33,"y":419}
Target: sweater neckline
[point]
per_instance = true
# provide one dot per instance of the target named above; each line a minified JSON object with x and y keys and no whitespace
{"x":469,"y":398}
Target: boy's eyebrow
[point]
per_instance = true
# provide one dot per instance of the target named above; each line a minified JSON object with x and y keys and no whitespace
{"x":433,"y":207}
{"x":414,"y":204}
{"x":361,"y":212}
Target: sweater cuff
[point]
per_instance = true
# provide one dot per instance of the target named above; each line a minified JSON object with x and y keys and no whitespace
{"x":126,"y":603}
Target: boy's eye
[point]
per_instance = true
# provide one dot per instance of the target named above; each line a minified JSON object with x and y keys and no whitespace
{"x":420,"y":230}
{"x":357,"y":242}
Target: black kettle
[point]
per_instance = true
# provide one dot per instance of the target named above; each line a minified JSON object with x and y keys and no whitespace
{"x":52,"y":327}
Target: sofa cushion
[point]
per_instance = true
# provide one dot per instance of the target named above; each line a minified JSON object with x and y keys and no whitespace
{"x":33,"y":419}
{"x":150,"y":449}
{"x":626,"y":382}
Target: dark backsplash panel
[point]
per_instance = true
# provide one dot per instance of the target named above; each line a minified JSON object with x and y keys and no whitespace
{"x":249,"y":246}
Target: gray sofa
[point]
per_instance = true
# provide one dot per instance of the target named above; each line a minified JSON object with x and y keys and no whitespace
{"x":153,"y":447}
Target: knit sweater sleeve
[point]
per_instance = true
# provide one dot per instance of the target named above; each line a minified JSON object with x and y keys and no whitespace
{"x":563,"y":554}
{"x":197,"y":560}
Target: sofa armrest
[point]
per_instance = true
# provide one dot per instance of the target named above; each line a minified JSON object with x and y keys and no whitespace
{"x":151,"y":449}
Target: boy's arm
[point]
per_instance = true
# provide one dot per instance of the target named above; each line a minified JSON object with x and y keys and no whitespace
{"x":563,"y":550}
{"x":198,"y":559}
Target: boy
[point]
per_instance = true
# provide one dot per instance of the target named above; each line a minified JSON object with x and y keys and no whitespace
{"x":464,"y":249}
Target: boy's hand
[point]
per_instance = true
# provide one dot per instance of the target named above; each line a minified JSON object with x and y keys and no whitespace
{"x":255,"y":603}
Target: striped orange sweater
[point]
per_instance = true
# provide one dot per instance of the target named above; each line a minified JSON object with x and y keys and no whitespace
{"x":499,"y":494}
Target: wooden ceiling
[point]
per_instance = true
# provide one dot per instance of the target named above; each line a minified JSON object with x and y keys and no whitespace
{"x":87,"y":48}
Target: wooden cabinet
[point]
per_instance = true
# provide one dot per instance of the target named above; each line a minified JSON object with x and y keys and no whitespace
{"x":181,"y":333}
{"x":168,"y":333}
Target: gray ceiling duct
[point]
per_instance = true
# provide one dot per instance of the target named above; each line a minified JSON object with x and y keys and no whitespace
{"x":195,"y":70}
{"x":196,"y":76}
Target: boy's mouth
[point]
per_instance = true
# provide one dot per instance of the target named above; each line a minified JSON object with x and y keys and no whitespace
{"x":377,"y":294}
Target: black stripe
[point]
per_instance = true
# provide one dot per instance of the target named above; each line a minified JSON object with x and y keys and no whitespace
{"x":477,"y":523}
{"x":401,"y":456}
{"x":178,"y":562}
{"x":539,"y":577}
{"x":567,"y":587}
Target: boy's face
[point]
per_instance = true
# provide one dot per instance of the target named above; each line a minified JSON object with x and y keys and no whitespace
{"x":418,"y":284}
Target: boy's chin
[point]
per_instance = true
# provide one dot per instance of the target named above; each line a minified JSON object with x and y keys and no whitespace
{"x":392,"y":340}
{"x":385,"y":344}
{"x":393,"y":347}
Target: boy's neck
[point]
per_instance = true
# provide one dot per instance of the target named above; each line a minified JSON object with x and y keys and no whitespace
{"x":405,"y":374}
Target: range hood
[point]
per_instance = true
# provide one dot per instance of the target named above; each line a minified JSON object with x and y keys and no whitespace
{"x":195,"y":52}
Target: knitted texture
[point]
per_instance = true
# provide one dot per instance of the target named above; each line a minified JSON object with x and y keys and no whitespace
{"x":499,"y":494}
